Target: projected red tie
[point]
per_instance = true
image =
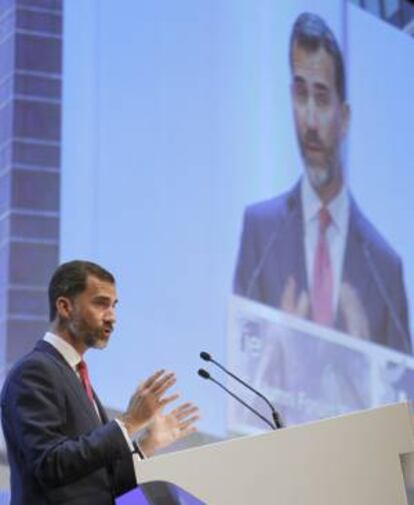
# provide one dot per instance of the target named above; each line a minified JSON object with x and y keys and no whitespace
{"x":84,"y":376}
{"x":322,"y":285}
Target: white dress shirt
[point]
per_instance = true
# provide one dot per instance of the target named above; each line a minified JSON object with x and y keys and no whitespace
{"x":73,"y":358}
{"x":336,"y":233}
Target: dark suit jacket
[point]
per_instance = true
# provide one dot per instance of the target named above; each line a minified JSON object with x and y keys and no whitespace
{"x":59,"y":450}
{"x":272,"y":249}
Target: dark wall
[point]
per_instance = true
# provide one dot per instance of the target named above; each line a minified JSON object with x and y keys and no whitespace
{"x":30,"y":141}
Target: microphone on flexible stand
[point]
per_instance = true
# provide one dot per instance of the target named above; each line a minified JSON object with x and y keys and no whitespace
{"x":275,"y":415}
{"x":292,"y":205}
{"x":205,"y":375}
{"x":259,"y":267}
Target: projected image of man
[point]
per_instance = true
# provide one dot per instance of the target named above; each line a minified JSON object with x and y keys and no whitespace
{"x":311,"y":251}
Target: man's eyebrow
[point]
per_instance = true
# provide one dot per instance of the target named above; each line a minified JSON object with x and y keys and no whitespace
{"x":105,"y":298}
{"x":320,"y":86}
{"x":297,"y":79}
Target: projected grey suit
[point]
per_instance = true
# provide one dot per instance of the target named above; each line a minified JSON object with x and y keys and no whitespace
{"x":272,"y":249}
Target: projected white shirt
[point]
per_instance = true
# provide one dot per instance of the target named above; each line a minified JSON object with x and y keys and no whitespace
{"x":336,"y":233}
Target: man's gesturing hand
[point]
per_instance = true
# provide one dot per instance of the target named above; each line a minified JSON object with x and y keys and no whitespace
{"x":148,"y":400}
{"x":166,"y":429}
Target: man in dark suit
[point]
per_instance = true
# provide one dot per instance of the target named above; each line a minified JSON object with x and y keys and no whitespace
{"x":311,"y":251}
{"x":61,"y":447}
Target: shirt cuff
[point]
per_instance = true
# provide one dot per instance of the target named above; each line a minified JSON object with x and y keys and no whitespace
{"x":132,"y":444}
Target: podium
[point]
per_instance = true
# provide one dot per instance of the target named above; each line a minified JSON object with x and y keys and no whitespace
{"x":351,"y":459}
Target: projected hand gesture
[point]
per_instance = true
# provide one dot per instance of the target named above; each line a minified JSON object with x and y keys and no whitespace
{"x":292,"y":302}
{"x":356,"y":320}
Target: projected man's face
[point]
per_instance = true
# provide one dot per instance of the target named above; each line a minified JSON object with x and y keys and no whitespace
{"x":321,"y":119}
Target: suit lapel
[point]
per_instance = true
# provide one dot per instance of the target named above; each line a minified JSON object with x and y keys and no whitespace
{"x":102,"y":412}
{"x":354,"y":271}
{"x":70,"y":378}
{"x":292,"y":240}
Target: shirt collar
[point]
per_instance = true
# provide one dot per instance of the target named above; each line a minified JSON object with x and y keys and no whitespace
{"x":338,"y":207}
{"x":69,"y":353}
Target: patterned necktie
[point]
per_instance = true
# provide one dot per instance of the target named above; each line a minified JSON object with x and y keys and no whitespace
{"x":322,"y":285}
{"x":84,"y":376}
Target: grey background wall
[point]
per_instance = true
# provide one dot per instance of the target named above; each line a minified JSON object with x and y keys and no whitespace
{"x":30,"y":138}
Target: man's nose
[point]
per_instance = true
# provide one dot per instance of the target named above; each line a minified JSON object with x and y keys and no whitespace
{"x":311,"y":114}
{"x":110,"y":315}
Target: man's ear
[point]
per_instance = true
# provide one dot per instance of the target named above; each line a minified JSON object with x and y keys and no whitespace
{"x":64,"y":306}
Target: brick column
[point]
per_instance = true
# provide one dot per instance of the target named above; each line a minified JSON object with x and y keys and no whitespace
{"x":30,"y":137}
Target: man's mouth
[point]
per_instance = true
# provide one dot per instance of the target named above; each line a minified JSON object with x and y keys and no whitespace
{"x":313,"y":147}
{"x":108,"y":330}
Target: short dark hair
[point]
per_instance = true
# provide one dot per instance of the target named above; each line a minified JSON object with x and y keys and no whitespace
{"x":70,"y":279}
{"x":310,"y":32}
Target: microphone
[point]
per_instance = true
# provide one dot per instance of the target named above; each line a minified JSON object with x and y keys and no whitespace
{"x":404,"y":336}
{"x":291,"y":205}
{"x":256,"y":272}
{"x":205,"y":375}
{"x":275,"y":415}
